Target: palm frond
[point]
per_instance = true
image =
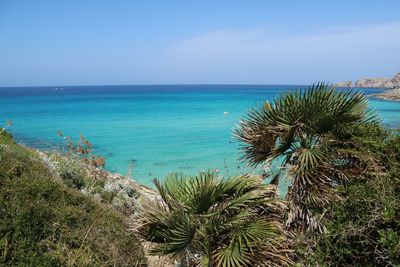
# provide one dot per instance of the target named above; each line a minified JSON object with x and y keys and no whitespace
{"x":227,"y":222}
{"x":172,"y":232}
{"x":301,"y":128}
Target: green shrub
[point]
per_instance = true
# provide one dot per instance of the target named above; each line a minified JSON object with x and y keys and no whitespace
{"x":45,"y":223}
{"x":364,"y":228}
{"x":6,"y":138}
{"x":389,"y":240}
{"x":72,"y":173}
{"x":108,"y":196}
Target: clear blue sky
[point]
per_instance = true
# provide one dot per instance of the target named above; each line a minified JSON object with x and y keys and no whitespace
{"x":95,"y":42}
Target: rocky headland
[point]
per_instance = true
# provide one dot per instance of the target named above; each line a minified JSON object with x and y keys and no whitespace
{"x":393,"y":94}
{"x":389,"y":83}
{"x":392,"y":83}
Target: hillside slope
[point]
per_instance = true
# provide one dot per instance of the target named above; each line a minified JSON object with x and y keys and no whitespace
{"x":44,"y":222}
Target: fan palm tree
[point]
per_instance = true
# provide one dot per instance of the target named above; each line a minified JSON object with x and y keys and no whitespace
{"x":210,"y":221}
{"x":308,"y":129}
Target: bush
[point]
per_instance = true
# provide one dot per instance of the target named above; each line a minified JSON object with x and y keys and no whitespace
{"x":364,"y":228}
{"x":72,"y":174}
{"x":6,"y":138}
{"x":45,"y":223}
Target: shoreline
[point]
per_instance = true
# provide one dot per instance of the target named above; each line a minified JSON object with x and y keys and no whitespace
{"x":390,"y":95}
{"x":374,"y":83}
{"x":129,"y":194}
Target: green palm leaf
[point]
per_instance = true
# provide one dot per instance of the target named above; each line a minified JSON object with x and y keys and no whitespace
{"x":225,"y":221}
{"x":301,"y":128}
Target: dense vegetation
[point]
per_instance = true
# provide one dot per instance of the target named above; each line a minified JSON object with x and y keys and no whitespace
{"x":344,"y":198}
{"x":43,"y":222}
{"x":364,"y":228}
{"x":309,"y":131}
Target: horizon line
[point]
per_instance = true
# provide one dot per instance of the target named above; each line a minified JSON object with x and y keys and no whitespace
{"x":165,"y":84}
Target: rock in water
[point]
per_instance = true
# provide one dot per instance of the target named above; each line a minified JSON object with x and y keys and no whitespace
{"x":389,"y":95}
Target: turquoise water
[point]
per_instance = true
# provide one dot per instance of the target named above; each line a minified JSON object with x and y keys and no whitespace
{"x":152,"y":130}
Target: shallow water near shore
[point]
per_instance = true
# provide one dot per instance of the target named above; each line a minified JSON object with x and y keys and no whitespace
{"x":148,"y":131}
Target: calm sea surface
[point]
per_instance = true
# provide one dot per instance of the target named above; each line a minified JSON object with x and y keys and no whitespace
{"x":151,"y":130}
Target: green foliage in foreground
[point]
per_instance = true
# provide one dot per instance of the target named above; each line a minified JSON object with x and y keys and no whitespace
{"x":45,"y":223}
{"x":344,"y":172}
{"x":364,"y":228}
{"x":209,"y":221}
{"x":306,"y":128}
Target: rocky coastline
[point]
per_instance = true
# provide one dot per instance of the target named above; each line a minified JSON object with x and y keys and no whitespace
{"x":128,"y":195}
{"x":393,"y":95}
{"x":383,"y":83}
{"x":393,"y":84}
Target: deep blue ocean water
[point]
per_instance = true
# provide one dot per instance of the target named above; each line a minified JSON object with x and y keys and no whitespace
{"x":152,"y":130}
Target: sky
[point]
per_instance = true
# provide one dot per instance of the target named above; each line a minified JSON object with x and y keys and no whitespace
{"x":98,"y":42}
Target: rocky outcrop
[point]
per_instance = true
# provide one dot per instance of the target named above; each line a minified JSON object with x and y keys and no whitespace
{"x":396,"y":79}
{"x":389,"y":95}
{"x":374,"y":83}
{"x":124,"y":194}
{"x":344,"y":84}
{"x":393,"y":82}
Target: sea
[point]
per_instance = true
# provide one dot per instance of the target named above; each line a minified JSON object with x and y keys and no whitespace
{"x":147,"y":132}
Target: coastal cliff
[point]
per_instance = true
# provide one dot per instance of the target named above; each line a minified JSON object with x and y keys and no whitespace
{"x":381,"y":83}
{"x":389,"y":83}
